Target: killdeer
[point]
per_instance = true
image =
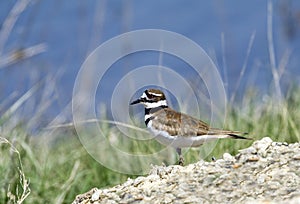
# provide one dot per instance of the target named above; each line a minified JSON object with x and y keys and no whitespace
{"x":177,"y":129}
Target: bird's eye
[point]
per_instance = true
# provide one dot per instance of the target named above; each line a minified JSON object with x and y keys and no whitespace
{"x":149,"y":96}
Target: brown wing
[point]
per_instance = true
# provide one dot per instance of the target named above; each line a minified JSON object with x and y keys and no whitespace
{"x":179,"y":123}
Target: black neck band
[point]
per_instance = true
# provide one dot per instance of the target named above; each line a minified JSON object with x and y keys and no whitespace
{"x":153,"y":110}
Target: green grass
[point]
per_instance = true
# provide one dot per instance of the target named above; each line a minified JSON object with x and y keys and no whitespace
{"x":265,"y":117}
{"x":59,"y":171}
{"x":56,"y":173}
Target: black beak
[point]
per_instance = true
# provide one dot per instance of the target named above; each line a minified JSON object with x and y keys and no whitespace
{"x":136,"y":101}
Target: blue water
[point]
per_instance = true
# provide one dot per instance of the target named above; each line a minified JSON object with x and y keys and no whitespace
{"x":73,"y":29}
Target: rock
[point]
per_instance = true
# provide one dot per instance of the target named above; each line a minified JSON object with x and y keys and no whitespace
{"x":228,"y":157}
{"x":96,"y":195}
{"x":249,"y":150}
{"x":262,"y":145}
{"x":296,"y":157}
{"x":266,"y":172}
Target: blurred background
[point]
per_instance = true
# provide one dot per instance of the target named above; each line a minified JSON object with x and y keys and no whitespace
{"x":254,"y":44}
{"x":44,"y":43}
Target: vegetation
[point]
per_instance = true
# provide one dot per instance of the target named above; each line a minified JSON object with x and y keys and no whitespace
{"x":57,"y":172}
{"x":34,"y":170}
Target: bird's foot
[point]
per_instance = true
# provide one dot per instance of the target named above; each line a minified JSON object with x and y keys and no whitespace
{"x":181,"y":161}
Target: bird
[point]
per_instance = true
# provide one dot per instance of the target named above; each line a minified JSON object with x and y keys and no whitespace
{"x":176,"y":129}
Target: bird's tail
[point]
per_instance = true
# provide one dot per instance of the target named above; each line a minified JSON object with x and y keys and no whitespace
{"x":238,"y":136}
{"x":230,"y":134}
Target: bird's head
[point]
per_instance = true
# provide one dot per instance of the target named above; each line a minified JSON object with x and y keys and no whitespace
{"x":151,"y":98}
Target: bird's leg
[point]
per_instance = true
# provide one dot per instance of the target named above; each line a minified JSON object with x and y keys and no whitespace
{"x":181,"y":159}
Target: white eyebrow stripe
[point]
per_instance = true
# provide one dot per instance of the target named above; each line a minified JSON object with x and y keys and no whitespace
{"x":155,"y":94}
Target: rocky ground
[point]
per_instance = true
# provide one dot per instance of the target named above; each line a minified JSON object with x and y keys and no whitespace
{"x":265,"y":172}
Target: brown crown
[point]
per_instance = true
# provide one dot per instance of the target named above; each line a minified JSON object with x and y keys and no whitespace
{"x":155,"y":94}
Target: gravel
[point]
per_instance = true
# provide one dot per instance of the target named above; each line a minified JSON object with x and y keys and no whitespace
{"x":267,"y":171}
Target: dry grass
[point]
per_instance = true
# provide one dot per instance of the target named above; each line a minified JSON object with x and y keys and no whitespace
{"x":15,"y":185}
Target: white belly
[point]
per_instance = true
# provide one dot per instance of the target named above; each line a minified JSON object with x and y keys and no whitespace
{"x":180,"y":141}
